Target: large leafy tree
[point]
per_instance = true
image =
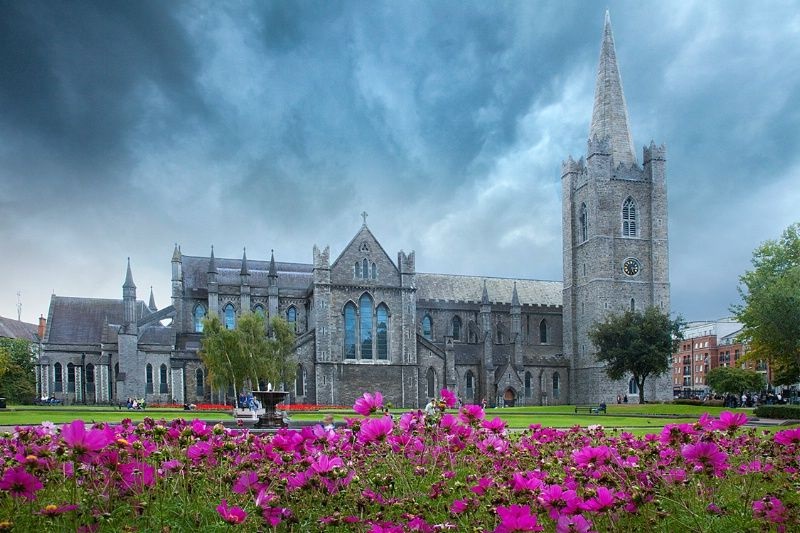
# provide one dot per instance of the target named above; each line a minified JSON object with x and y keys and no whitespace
{"x":245,"y":355}
{"x":17,"y":376}
{"x":734,"y":380}
{"x":636,"y":343}
{"x":770,"y":313}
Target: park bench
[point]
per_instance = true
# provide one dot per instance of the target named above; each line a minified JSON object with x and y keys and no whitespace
{"x":591,"y":409}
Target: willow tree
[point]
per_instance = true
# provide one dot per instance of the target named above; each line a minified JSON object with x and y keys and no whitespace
{"x":245,"y":355}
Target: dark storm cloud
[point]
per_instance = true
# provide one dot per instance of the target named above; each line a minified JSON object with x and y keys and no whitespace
{"x":125,"y":127}
{"x":79,"y":76}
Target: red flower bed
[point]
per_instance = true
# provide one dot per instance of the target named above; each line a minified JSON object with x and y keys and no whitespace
{"x":307,"y":407}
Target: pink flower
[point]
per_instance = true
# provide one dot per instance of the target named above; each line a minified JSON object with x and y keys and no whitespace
{"x":275,"y":515}
{"x":471,"y":413}
{"x":376,"y":429}
{"x":232,"y":515}
{"x":325,"y":464}
{"x":55,"y":510}
{"x":458,"y":506}
{"x":573,"y":524}
{"x":495,"y":425}
{"x":770,"y":509}
{"x":449,"y":398}
{"x":368,"y":403}
{"x":82,"y":441}
{"x":788,"y":436}
{"x":19,"y":483}
{"x":526,"y":481}
{"x":603,"y":500}
{"x":137,"y":475}
{"x":729,"y":421}
{"x":706,"y":457}
{"x":558,"y":501}
{"x":590,"y":456}
{"x":247,"y":482}
{"x":516,"y":518}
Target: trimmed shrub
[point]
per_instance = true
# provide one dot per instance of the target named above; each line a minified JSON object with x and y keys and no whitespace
{"x":781,"y":412}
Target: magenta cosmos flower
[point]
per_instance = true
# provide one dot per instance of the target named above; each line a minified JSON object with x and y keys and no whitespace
{"x":729,"y":421}
{"x":449,"y":398}
{"x":706,"y":456}
{"x":788,"y":436}
{"x":770,"y":509}
{"x":232,"y":515}
{"x":19,"y":483}
{"x":376,"y":429}
{"x":368,"y":403}
{"x":82,"y":441}
{"x":516,"y":518}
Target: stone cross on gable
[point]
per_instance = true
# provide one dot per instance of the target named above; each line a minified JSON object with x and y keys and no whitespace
{"x":364,"y":216}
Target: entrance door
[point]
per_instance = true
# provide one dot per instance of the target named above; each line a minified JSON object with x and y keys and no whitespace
{"x":509,"y":397}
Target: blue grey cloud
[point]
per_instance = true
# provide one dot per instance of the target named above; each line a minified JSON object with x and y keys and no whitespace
{"x":126,"y":127}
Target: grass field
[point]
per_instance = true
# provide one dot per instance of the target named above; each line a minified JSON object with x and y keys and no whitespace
{"x":638,"y":419}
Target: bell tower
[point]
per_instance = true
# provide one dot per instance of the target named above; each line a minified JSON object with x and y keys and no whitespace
{"x":615,"y":242}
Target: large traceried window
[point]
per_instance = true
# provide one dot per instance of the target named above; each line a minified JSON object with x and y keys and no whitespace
{"x":456,"y":328}
{"x":366,"y":326}
{"x":350,"y":331}
{"x":366,"y":330}
{"x":427,"y":327}
{"x":629,"y":218}
{"x":382,"y":332}
{"x":230,"y":316}
{"x":199,"y":315}
{"x":543,"y":332}
{"x":583,"y":223}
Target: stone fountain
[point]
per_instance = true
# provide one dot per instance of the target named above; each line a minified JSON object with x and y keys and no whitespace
{"x":269,"y":400}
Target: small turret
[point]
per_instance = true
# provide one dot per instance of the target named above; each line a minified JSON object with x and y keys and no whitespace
{"x":273,"y":271}
{"x":245,"y":272}
{"x":152,"y":304}
{"x":213,"y":288}
{"x":129,"y":297}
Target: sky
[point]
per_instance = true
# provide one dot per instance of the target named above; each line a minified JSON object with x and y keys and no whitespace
{"x":127,"y":127}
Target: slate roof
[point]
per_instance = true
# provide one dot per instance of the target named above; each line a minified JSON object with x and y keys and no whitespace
{"x":14,"y":329}
{"x":500,"y":290}
{"x":82,"y":320}
{"x":290,"y":275}
{"x":158,"y":334}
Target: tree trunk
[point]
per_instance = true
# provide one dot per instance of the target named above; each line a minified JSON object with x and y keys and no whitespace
{"x":641,"y":392}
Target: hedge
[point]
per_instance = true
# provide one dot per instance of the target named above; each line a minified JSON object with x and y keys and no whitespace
{"x":782,"y":412}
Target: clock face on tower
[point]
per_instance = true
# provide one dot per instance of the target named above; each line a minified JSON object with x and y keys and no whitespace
{"x":631,"y":266}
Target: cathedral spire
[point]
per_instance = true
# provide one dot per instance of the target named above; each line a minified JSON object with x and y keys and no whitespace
{"x":176,"y":253}
{"x":129,"y":284}
{"x":610,"y":114}
{"x":485,"y":294}
{"x":244,"y":271}
{"x":515,"y":296}
{"x":273,"y":272}
{"x":212,"y":265}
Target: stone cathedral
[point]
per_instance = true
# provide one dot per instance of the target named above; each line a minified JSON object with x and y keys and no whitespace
{"x":366,"y":320}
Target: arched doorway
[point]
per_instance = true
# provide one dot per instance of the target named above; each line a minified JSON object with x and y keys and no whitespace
{"x":509,"y":397}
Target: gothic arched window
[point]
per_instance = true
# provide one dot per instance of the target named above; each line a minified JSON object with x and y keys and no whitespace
{"x":70,"y":377}
{"x":357,"y":270}
{"x":291,"y":317}
{"x":350,"y":331}
{"x":58,"y":378}
{"x":528,"y":379}
{"x":430,"y":378}
{"x":633,"y":388}
{"x":427,"y":327}
{"x":543,"y":332}
{"x":230,"y":316}
{"x":199,"y":314}
{"x":556,"y":385}
{"x":469,"y":378}
{"x":456,"y":328}
{"x":90,"y":377}
{"x":200,"y":379}
{"x":148,"y":379}
{"x":259,"y":310}
{"x":629,"y":218}
{"x":583,"y":222}
{"x":382,"y":332}
{"x":365,"y":338}
{"x":365,"y":269}
{"x":633,"y":304}
{"x":163,"y":379}
{"x":374,"y":271}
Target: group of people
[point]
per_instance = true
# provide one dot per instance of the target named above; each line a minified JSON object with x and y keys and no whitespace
{"x":247,"y":401}
{"x":135,"y":403}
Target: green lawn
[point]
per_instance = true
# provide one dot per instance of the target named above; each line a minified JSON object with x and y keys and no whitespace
{"x":638,"y":419}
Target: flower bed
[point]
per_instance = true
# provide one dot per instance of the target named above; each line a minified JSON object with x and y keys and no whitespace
{"x":460,"y":472}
